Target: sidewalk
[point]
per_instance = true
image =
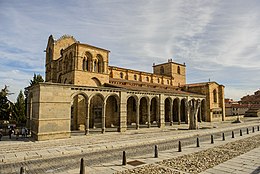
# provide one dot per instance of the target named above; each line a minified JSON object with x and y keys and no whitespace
{"x":244,"y":164}
{"x":17,"y":151}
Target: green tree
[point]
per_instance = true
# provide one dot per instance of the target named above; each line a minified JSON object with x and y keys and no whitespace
{"x":19,"y":109}
{"x":36,"y":79}
{"x":5,"y":104}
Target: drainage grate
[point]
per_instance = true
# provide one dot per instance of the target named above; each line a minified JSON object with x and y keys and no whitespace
{"x":135,"y":163}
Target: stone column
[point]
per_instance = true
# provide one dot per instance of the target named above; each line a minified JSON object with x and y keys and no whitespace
{"x":160,"y":111}
{"x":200,"y":118}
{"x":123,"y":112}
{"x":149,"y":113}
{"x":87,"y":119}
{"x":103,"y":117}
{"x":179,"y":111}
{"x":137,"y":114}
{"x":170,"y":113}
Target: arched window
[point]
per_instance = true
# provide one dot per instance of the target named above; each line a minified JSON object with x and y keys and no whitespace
{"x":84,"y":64}
{"x":162,"y":70}
{"x":100,"y":64}
{"x":70,"y":61}
{"x":215,"y":95}
{"x":88,"y":61}
{"x":135,"y":77}
{"x":66,"y":63}
{"x":179,"y":70}
{"x":121,"y":75}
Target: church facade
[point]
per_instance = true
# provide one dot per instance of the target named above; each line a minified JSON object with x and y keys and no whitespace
{"x":82,"y":92}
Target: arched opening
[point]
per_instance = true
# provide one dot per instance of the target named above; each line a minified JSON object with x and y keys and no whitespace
{"x":100,"y":64}
{"x":96,"y":110}
{"x":143,"y":111}
{"x":215,"y":97}
{"x":78,"y":112}
{"x":183,"y":111}
{"x":112,"y":112}
{"x":175,"y":110}
{"x":131,"y":111}
{"x":154,"y":112}
{"x":167,"y":110}
{"x":88,"y":61}
{"x":97,"y":82}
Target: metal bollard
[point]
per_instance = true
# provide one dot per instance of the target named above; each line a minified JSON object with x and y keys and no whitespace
{"x":179,"y":150}
{"x":223,"y":136}
{"x":155,"y":151}
{"x":198,"y":142}
{"x":257,"y":128}
{"x":22,"y":170}
{"x":233,"y":135}
{"x":212,"y":139}
{"x":124,"y":158}
{"x":253,"y":129}
{"x":241,"y":133}
{"x":247,"y":131}
{"x":82,"y":166}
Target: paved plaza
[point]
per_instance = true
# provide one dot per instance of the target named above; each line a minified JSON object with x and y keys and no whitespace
{"x":27,"y":152}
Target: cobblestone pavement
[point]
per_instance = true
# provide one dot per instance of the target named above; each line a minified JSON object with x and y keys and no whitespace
{"x":46,"y":156}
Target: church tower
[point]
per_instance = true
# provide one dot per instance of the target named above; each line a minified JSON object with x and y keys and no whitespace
{"x":172,"y":69}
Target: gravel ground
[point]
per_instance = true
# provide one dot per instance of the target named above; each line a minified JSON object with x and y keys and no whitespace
{"x":199,"y":161}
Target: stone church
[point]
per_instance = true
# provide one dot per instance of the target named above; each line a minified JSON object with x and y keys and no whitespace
{"x":83,"y":92}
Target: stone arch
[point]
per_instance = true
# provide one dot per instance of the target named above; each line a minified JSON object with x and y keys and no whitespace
{"x":96,"y":111}
{"x":168,"y":110}
{"x":97,"y":81}
{"x":154,"y":111}
{"x":143,"y":110}
{"x":78,"y":111}
{"x":183,"y":110}
{"x":112,"y":114}
{"x":176,"y":110}
{"x":132,"y":102}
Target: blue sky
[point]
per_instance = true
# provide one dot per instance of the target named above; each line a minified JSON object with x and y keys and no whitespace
{"x":218,"y":40}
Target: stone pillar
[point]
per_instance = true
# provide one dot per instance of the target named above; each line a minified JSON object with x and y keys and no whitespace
{"x":87,"y":119}
{"x":200,"y":118}
{"x":103,"y":117}
{"x":160,"y":112}
{"x":123,"y":112}
{"x":149,"y":113}
{"x":137,"y":114}
{"x":170,"y":113}
{"x":179,"y":111}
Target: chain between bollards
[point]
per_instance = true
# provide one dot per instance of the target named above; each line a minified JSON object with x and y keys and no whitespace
{"x":241,"y":133}
{"x":198,"y":142}
{"x":233,"y":135}
{"x":82,"y":166}
{"x":124,"y":158}
{"x":179,"y":150}
{"x":223,"y":136}
{"x":155,"y":151}
{"x":212,"y":139}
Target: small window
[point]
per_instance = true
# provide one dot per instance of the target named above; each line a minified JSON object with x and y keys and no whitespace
{"x":179,"y":70}
{"x":121,"y":75}
{"x":162,"y":70}
{"x":147,"y":79}
{"x":135,"y":77}
{"x":215,"y":95}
